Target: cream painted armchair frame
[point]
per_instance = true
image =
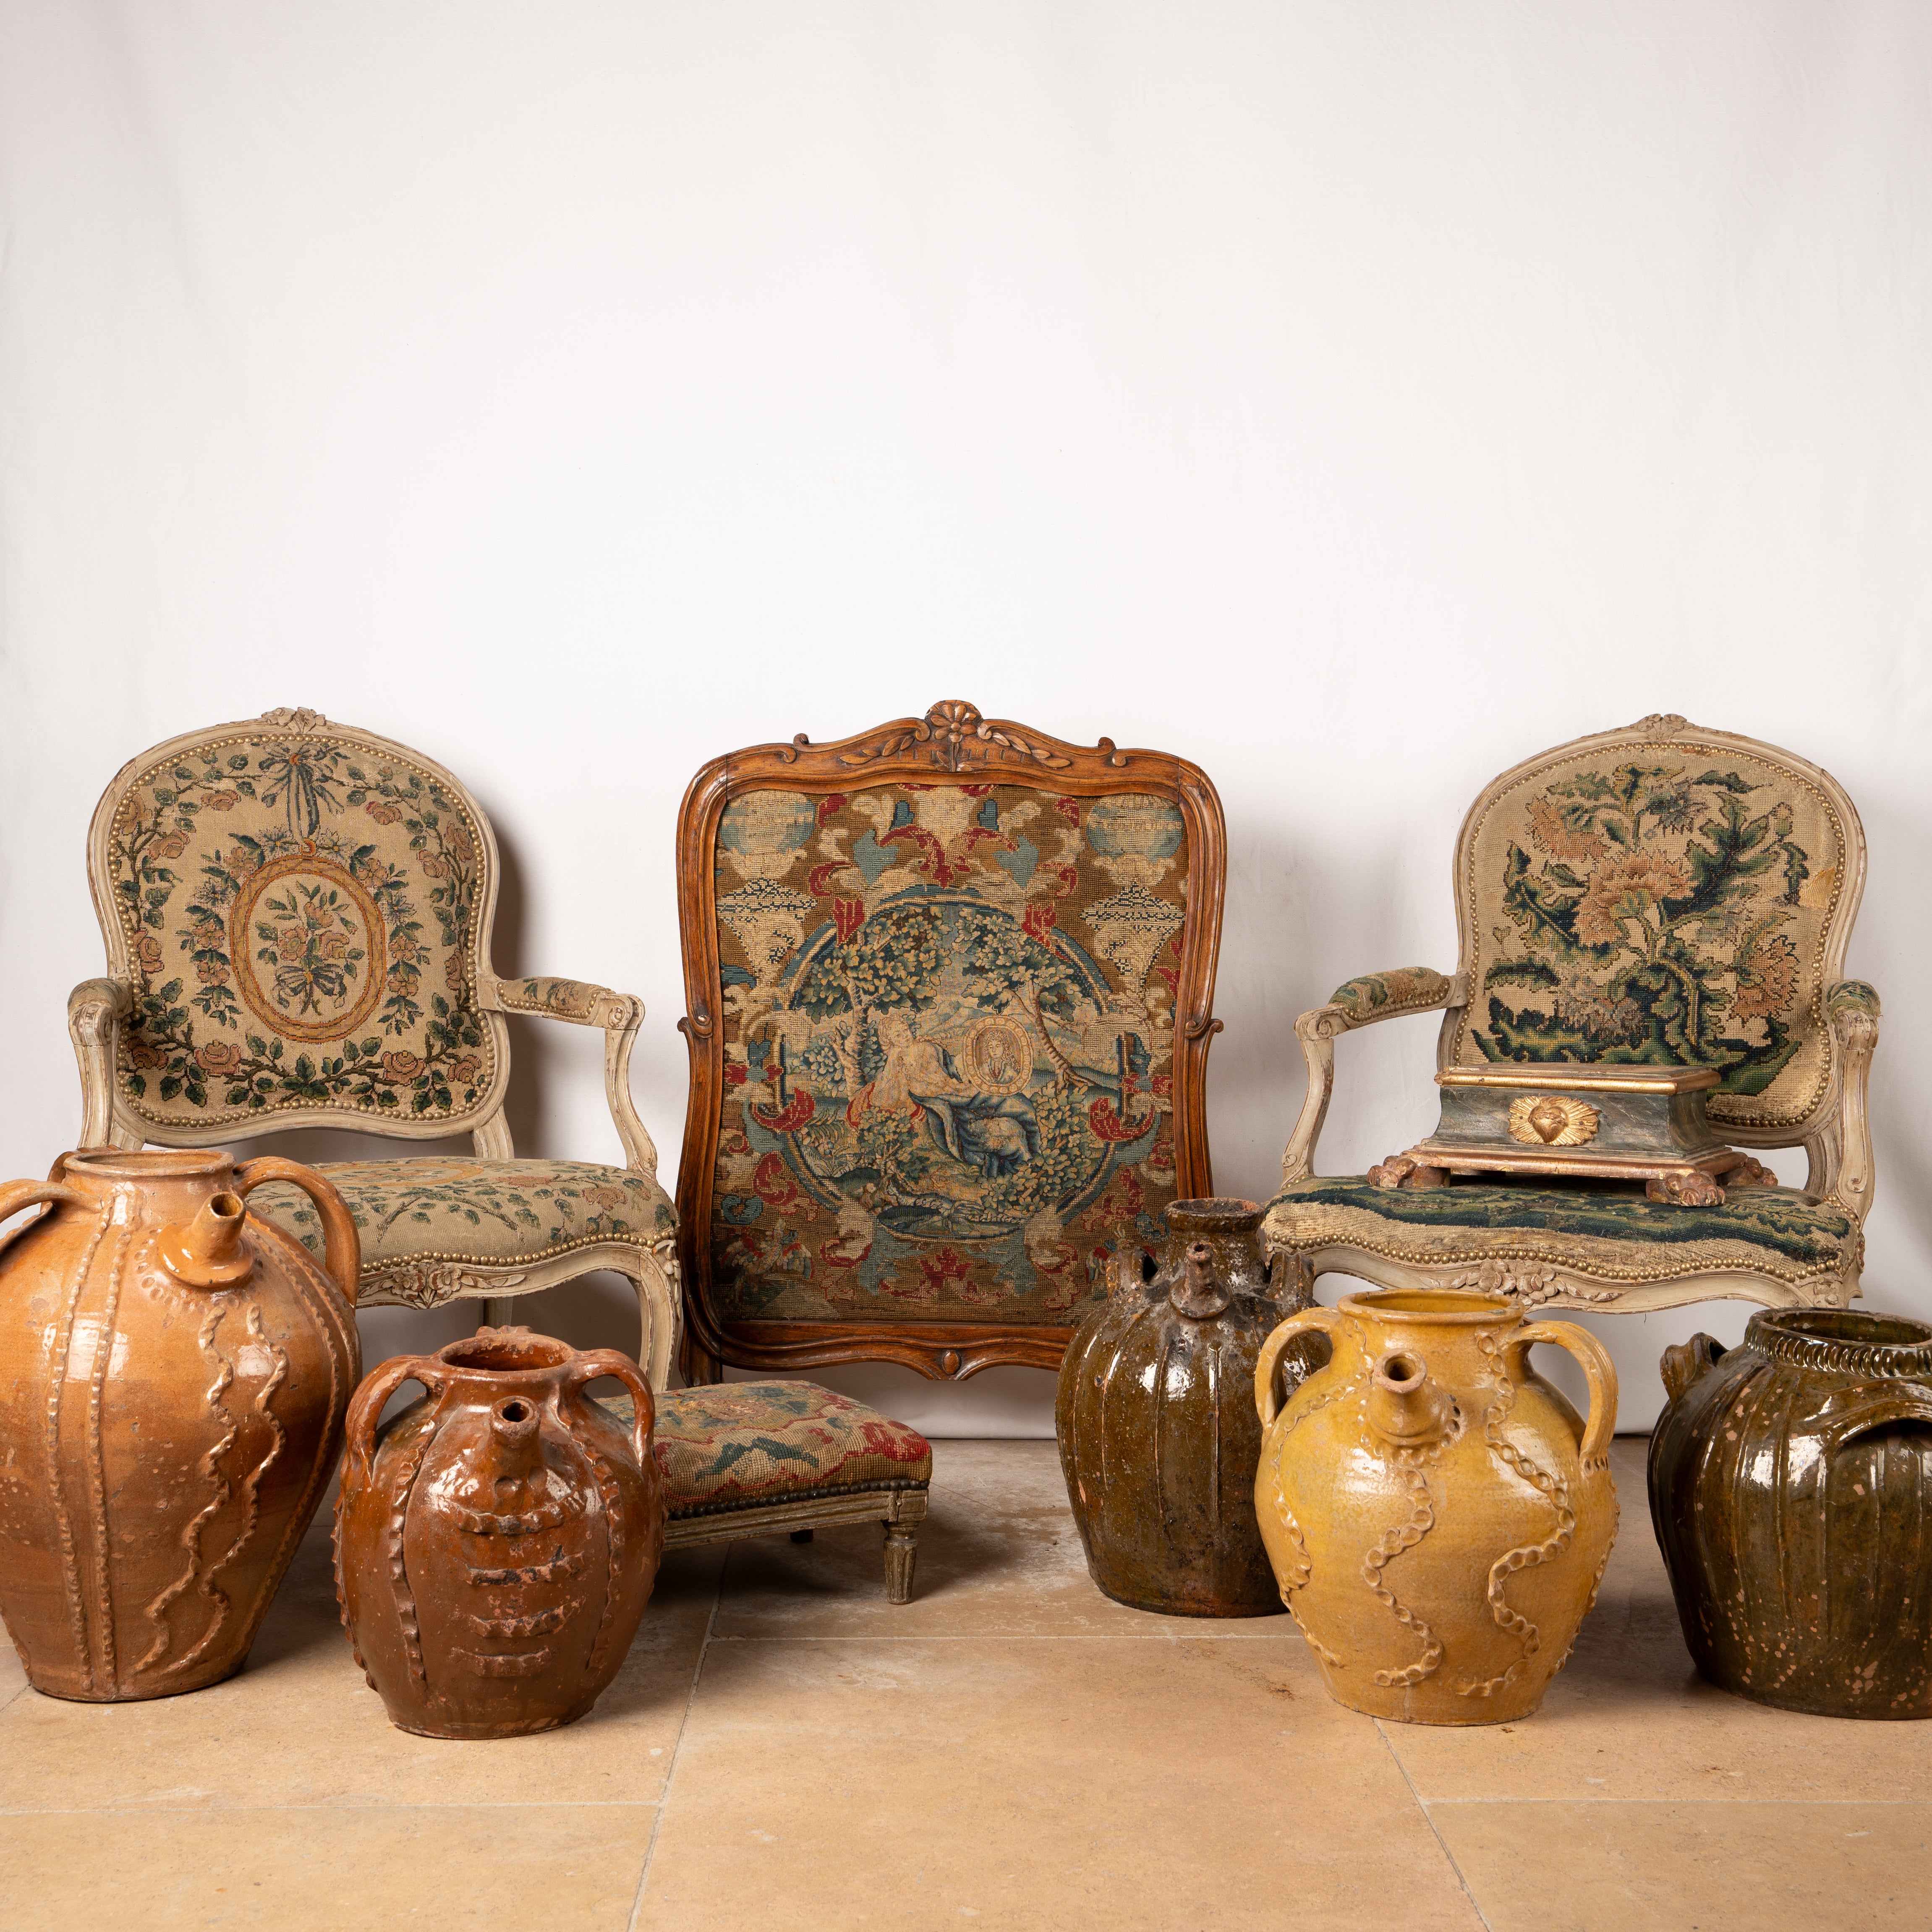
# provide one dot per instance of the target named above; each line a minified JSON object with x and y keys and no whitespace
{"x":97,"y":1008}
{"x":1835,"y":1134}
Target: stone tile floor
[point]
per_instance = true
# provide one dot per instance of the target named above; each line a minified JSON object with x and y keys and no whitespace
{"x":786,"y":1750}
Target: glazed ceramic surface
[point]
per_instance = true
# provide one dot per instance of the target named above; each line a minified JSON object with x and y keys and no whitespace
{"x":496,"y":1543}
{"x":1438,"y":1516}
{"x":1155,"y":1417}
{"x":1791,"y":1486}
{"x":173,"y":1376}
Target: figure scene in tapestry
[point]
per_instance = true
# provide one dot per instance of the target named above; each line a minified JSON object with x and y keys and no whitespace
{"x":948,"y":1016}
{"x":1657,"y":913}
{"x":297,"y":914}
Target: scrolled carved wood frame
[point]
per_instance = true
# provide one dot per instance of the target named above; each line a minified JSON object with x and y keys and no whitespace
{"x":953,"y":740}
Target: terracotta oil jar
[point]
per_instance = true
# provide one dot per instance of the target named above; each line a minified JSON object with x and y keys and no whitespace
{"x":496,"y":1543}
{"x":1156,"y":1418}
{"x":1791,"y":1489}
{"x":173,"y":1377}
{"x":1437,"y":1514}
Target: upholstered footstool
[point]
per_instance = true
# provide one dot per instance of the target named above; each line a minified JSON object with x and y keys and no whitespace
{"x":760,"y":1458}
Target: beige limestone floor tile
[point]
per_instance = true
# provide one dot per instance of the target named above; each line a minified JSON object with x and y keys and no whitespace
{"x":1051,"y":1781}
{"x":325,"y":1870}
{"x":1681,"y":1867}
{"x":299,"y":1726}
{"x":1629,"y":1717}
{"x":13,"y":1675}
{"x":999,"y":1555}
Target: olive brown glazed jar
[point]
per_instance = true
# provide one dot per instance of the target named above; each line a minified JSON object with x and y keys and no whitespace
{"x":173,"y":1376}
{"x":496,"y":1543}
{"x":1791,"y":1489}
{"x":1437,"y":1515}
{"x":1158,"y":1435}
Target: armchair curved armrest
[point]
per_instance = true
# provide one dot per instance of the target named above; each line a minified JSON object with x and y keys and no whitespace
{"x":583,"y":1003}
{"x":1841,"y":1155}
{"x":94,"y":1011}
{"x":1355,"y":1002}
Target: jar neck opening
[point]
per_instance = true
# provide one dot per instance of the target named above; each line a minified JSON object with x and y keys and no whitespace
{"x":1215,"y":1214}
{"x":1842,"y":1341}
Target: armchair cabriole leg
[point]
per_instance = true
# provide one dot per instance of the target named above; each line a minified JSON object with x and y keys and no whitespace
{"x":901,"y":1553}
{"x":498,"y":1312}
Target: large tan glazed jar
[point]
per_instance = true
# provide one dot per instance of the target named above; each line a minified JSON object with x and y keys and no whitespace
{"x":173,"y":1377}
{"x":1438,"y":1516}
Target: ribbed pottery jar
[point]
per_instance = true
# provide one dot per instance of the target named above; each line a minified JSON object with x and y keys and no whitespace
{"x":1156,"y":1416}
{"x":173,"y":1374}
{"x":496,"y":1544}
{"x":1791,"y":1489}
{"x":1437,"y":1515}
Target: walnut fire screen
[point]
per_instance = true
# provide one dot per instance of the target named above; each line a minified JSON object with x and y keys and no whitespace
{"x":950,"y":984}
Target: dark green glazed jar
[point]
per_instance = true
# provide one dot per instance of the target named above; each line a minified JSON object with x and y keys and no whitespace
{"x":1158,"y":1435}
{"x":1791,"y":1489}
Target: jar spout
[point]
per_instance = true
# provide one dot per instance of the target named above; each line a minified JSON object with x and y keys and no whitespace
{"x":1407,"y":1409}
{"x":1199,"y":1294}
{"x":207,"y":1251}
{"x":515,"y":1451}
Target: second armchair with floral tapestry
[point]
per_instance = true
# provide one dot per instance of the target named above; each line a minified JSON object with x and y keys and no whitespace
{"x":1662,"y":896}
{"x":297,"y":921}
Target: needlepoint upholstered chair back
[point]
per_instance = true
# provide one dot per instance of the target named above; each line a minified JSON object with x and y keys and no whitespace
{"x":297,"y":916}
{"x":949,"y":985}
{"x":1662,"y":895}
{"x":301,"y":912}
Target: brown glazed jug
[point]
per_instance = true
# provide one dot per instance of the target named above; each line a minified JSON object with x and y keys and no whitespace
{"x":173,"y":1376}
{"x":1791,"y":1489}
{"x":1155,"y":1417}
{"x":496,"y":1544}
{"x":1437,"y":1515}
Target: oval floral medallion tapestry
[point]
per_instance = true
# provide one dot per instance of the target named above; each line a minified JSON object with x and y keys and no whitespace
{"x":948,"y":1046}
{"x":299,"y":910}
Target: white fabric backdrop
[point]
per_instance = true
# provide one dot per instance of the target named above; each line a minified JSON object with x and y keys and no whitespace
{"x":1354,"y":398}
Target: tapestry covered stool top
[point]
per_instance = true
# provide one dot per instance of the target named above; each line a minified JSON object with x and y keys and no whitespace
{"x":740,"y":1445}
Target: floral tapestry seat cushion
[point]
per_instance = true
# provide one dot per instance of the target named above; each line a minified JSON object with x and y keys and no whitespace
{"x":489,"y":1213}
{"x":738,"y":1445}
{"x":1609,"y":1232}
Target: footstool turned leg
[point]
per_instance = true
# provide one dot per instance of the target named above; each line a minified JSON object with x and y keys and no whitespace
{"x":901,"y":1553}
{"x":801,"y":1536}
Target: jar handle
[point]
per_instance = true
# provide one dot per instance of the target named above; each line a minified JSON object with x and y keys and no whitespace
{"x":15,"y":1195}
{"x":1874,"y":1411}
{"x":365,"y":1411}
{"x":1266,"y":1400}
{"x":342,"y":1246}
{"x":1685,"y":1364}
{"x":1599,"y":1371}
{"x":599,"y":1362}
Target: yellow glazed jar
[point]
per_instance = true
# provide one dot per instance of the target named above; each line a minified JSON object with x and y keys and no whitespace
{"x":1437,"y":1515}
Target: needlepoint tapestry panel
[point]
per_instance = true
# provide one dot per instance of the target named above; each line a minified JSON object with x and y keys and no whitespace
{"x":298,"y":913}
{"x":1663,"y":903}
{"x":948,"y":1033}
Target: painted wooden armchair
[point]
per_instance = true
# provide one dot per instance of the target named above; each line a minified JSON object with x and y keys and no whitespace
{"x":1662,"y":895}
{"x":297,"y":918}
